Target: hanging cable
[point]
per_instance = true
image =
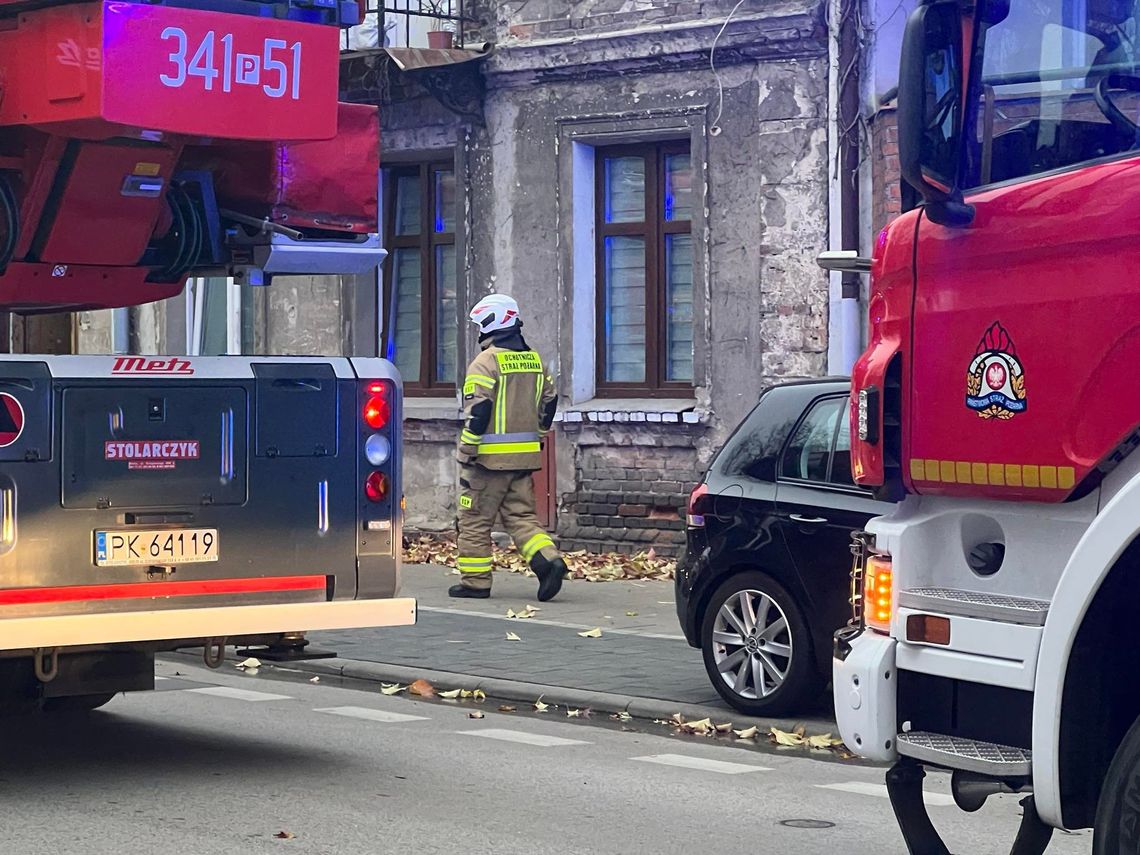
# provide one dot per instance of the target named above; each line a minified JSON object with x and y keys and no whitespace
{"x":715,"y":129}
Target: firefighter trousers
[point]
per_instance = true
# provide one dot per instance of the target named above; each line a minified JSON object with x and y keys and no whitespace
{"x":484,"y":495}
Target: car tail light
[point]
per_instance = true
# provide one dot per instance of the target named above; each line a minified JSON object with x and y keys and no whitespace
{"x":376,"y":487}
{"x":877,"y":582}
{"x":695,"y":519}
{"x":377,"y":411}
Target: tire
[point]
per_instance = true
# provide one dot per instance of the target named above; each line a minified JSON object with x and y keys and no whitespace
{"x":785,"y":651}
{"x":76,"y":703}
{"x":1116,"y":830}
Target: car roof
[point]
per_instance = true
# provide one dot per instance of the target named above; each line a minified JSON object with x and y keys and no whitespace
{"x":813,"y":386}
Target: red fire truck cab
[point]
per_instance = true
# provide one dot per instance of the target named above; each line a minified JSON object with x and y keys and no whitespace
{"x":994,"y":608}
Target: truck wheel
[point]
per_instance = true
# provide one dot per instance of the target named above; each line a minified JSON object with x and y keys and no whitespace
{"x":757,"y":648}
{"x":1116,"y":830}
{"x":76,"y":703}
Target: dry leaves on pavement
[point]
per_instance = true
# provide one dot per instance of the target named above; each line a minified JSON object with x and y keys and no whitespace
{"x":583,"y":565}
{"x":422,"y":688}
{"x":596,"y":632}
{"x":392,"y":688}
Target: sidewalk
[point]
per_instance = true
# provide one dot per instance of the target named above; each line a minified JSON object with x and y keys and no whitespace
{"x":640,"y":663}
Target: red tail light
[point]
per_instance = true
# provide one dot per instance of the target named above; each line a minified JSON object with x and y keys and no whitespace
{"x":376,"y":487}
{"x":695,"y":518}
{"x":377,"y":410}
{"x":699,"y":492}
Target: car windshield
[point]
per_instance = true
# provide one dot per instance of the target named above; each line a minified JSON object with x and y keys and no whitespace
{"x":1059,"y":86}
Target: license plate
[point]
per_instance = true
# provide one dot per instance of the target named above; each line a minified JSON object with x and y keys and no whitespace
{"x":180,"y":546}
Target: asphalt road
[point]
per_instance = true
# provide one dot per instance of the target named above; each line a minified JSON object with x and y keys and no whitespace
{"x":220,"y":762}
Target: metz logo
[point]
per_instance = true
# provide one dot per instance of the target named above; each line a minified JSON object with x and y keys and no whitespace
{"x":142,"y":365}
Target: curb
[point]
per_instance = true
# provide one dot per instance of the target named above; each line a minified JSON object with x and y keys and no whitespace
{"x":519,"y":691}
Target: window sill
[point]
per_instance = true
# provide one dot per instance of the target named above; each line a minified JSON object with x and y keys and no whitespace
{"x":432,"y":409}
{"x":654,"y":410}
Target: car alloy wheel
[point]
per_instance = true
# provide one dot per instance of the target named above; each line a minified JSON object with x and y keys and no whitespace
{"x":757,"y":646}
{"x":752,"y":644}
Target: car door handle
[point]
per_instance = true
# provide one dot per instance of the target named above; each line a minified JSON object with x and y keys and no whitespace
{"x":796,"y":518}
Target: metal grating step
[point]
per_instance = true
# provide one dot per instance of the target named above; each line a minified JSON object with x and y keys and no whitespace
{"x":974,"y":604}
{"x":972,"y":755}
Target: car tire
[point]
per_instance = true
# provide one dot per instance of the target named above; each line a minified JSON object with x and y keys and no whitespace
{"x":1116,"y":829}
{"x":76,"y":703}
{"x":778,"y":654}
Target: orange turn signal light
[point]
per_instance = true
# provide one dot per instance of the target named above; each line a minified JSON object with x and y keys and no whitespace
{"x":877,"y":580}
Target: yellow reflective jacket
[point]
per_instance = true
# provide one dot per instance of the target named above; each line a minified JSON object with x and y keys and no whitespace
{"x":508,"y":405}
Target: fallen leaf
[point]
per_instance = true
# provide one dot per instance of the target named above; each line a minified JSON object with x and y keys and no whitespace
{"x":799,"y":730}
{"x":315,"y":680}
{"x":591,"y":633}
{"x":451,"y":695}
{"x":747,"y":733}
{"x":507,"y":708}
{"x":466,"y":693}
{"x":622,"y":716}
{"x":539,"y":706}
{"x":573,"y":713}
{"x":479,"y":695}
{"x":677,"y":719}
{"x":392,"y":688}
{"x":532,"y":609}
{"x":699,"y":727}
{"x":249,"y":663}
{"x":422,"y":688}
{"x":511,"y":614}
{"x":475,"y":714}
{"x":724,"y":728}
{"x":285,"y":835}
{"x":823,"y":742}
{"x":631,"y":614}
{"x":513,"y":637}
{"x":782,"y":737}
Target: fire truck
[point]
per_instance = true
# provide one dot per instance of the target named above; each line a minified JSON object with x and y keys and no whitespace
{"x":152,"y":503}
{"x":997,"y":399}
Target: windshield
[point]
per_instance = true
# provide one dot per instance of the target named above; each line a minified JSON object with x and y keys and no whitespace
{"x":1037,"y":107}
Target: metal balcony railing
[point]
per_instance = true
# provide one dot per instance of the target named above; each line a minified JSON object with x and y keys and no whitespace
{"x":407,"y":24}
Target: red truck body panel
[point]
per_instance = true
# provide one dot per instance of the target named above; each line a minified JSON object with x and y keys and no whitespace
{"x":1024,"y":337}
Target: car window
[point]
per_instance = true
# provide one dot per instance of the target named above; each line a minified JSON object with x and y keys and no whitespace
{"x":752,"y":449}
{"x":807,"y":456}
{"x":841,"y":459}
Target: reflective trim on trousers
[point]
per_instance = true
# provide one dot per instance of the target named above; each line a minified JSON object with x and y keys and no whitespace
{"x":474,"y":565}
{"x":534,"y":545}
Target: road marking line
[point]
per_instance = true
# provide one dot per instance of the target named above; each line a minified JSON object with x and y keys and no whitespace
{"x":371,"y":714}
{"x":561,"y":624}
{"x":160,"y":678}
{"x":702,"y":764}
{"x":863,"y":788}
{"x":523,"y":738}
{"x":239,"y":694}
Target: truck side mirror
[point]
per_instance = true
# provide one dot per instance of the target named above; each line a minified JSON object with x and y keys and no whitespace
{"x":931,"y":109}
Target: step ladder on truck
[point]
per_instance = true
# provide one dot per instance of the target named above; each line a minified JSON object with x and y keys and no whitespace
{"x":156,"y":503}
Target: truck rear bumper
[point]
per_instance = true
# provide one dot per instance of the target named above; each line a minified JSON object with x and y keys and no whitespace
{"x":202,"y":623}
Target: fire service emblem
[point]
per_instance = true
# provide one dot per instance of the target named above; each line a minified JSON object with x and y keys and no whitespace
{"x":995,"y":386}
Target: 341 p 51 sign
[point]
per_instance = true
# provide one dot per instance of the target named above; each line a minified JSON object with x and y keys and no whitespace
{"x":218,"y":74}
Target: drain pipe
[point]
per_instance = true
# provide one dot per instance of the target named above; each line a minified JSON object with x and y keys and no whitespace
{"x":845,"y":327}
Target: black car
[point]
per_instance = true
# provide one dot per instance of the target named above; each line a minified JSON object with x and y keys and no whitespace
{"x":764,"y":581}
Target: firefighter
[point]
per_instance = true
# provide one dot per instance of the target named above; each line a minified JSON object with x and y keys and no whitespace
{"x":509,"y":403}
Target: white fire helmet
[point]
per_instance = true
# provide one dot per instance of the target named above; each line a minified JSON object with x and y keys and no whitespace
{"x":495,"y":312}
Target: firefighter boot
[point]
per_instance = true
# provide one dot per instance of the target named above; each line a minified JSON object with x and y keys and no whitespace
{"x":550,"y":574}
{"x":462,"y":591}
